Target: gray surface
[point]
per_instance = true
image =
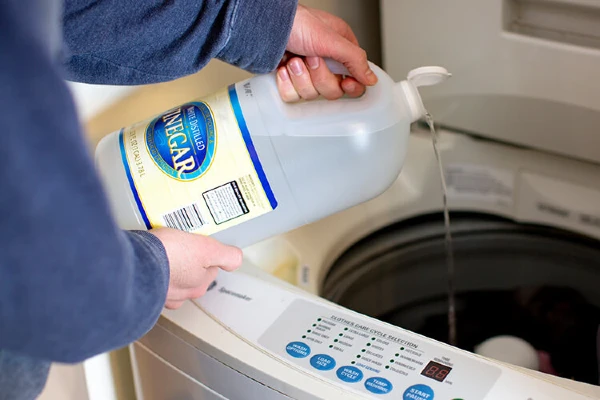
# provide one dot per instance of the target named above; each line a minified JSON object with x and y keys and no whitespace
{"x":172,"y":359}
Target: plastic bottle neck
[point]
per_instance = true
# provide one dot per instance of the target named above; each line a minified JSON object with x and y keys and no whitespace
{"x":407,"y":91}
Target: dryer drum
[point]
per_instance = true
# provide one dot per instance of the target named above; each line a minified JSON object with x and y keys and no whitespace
{"x":533,"y":282}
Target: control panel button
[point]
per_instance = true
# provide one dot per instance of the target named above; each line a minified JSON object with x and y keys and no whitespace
{"x":349,"y":374}
{"x":322,"y":362}
{"x":298,"y":349}
{"x":418,"y":392}
{"x":378,"y":385}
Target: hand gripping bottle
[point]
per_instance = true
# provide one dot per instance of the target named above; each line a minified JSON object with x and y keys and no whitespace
{"x":241,"y":165}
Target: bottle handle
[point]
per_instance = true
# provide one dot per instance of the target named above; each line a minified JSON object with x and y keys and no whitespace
{"x":333,"y":118}
{"x":336,"y":67}
{"x":382,"y":104}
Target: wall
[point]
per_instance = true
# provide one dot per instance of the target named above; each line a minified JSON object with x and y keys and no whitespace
{"x":363,"y":18}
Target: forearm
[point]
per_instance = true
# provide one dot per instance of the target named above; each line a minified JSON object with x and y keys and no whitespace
{"x":128,"y":43}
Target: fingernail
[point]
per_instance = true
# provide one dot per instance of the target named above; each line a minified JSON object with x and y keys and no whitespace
{"x":313,"y":62}
{"x":350,"y":87}
{"x":371,"y":77}
{"x":296,"y":67}
{"x":283,"y":74}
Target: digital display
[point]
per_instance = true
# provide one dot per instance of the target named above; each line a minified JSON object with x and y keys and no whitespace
{"x":436,"y":371}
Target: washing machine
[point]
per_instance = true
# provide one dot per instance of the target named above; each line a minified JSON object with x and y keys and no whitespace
{"x":350,"y":306}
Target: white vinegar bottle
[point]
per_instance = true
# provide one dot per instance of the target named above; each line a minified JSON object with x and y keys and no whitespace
{"x":241,"y":165}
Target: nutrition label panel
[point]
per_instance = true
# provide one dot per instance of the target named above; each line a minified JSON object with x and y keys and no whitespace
{"x":373,"y":358}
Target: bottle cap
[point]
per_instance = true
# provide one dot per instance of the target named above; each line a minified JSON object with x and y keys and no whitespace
{"x":423,"y":76}
{"x":428,"y":76}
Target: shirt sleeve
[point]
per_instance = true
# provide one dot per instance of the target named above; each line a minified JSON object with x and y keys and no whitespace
{"x":72,"y":285}
{"x":139,"y":42}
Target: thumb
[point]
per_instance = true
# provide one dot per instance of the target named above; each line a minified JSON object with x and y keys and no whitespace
{"x":349,"y":54}
{"x":220,"y":255}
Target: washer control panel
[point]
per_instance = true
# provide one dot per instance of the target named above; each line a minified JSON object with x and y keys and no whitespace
{"x":359,"y":354}
{"x":373,"y":358}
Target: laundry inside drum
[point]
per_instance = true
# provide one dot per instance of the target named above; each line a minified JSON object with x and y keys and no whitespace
{"x":534,"y":283}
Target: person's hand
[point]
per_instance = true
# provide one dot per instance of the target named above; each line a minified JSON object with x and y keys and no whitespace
{"x":302,"y":74}
{"x":194,"y":263}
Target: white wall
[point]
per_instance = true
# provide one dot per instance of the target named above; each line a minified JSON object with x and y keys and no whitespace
{"x":92,"y":99}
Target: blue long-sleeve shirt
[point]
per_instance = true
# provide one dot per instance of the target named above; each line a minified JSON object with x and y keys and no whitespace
{"x":72,"y":284}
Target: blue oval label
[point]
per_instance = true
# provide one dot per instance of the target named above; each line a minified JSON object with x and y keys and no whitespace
{"x":298,"y":349}
{"x":418,"y":392}
{"x":182,"y":142}
{"x":349,"y":374}
{"x":322,"y":362}
{"x":378,"y":385}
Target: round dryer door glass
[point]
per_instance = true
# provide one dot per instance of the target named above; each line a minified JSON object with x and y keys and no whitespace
{"x":532,"y":282}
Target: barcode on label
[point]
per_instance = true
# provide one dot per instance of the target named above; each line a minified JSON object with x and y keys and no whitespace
{"x":185,"y":219}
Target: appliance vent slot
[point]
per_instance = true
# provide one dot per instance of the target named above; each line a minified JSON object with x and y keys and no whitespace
{"x":574,"y":22}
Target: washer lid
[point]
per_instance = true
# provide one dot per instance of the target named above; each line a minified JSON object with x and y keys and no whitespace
{"x":323,"y":342}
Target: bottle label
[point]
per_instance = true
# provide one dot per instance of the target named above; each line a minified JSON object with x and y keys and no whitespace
{"x":195,"y":168}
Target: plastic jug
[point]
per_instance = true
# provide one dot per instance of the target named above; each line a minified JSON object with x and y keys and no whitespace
{"x":241,"y":165}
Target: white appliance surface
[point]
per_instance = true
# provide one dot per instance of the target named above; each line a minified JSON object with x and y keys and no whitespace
{"x":524,"y":71}
{"x":520,"y":184}
{"x":249,"y":336}
{"x":305,"y":347}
